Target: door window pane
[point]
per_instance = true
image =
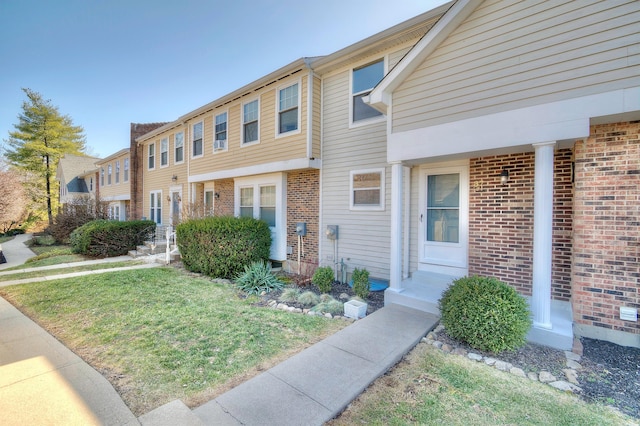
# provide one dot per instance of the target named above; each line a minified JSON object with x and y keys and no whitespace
{"x":246,"y":202}
{"x":443,"y":205}
{"x":268,"y":204}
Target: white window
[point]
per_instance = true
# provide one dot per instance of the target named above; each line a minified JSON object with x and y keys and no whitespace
{"x":90,"y":184}
{"x":288,"y":117}
{"x":196,"y":140}
{"x":164,"y":152}
{"x":178,"y":155}
{"x":363,"y":80}
{"x":114,"y":212}
{"x":268,"y":204}
{"x":208,"y":203}
{"x":152,"y":156}
{"x":126,"y":170}
{"x":220,"y":132}
{"x":102,"y":176}
{"x":250,"y":122}
{"x":367,"y":189}
{"x":155,"y":206}
{"x":246,"y":202}
{"x":118,"y":171}
{"x":109,"y":170}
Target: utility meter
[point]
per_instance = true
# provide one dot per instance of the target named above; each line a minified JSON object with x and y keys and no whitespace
{"x":301,"y":229}
{"x":332,"y":232}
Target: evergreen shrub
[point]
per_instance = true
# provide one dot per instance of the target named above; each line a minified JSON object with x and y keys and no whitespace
{"x":222,"y":246}
{"x":108,"y":238}
{"x":486,"y":313}
{"x":361,"y":284}
{"x":323,"y":278}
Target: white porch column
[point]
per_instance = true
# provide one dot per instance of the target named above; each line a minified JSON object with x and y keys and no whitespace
{"x":542,"y":234}
{"x":395,"y":262}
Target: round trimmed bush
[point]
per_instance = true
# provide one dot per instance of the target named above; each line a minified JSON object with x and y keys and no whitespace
{"x":323,"y":278}
{"x":486,"y":313}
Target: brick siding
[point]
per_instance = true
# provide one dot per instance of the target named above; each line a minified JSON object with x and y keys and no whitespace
{"x":606,"y":271}
{"x":224,"y":206}
{"x":303,"y":205}
{"x":501,"y":221}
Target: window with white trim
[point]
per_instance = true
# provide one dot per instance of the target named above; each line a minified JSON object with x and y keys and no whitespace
{"x":178,"y":148}
{"x":155,"y":206}
{"x":91,"y":184}
{"x":250,"y":122}
{"x":102,"y":176}
{"x":196,"y":140}
{"x":288,"y":116}
{"x":126,"y":170}
{"x":363,"y":80}
{"x":152,"y":156}
{"x":367,"y":189}
{"x":109,"y":170}
{"x":164,"y":152}
{"x":268,"y":204}
{"x":220,"y":132}
{"x":117,"y":171}
{"x":208,"y":203}
{"x":246,"y":202}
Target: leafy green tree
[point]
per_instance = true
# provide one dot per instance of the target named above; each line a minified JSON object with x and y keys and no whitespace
{"x":41,"y":137}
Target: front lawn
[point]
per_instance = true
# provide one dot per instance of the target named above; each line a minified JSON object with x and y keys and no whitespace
{"x":160,"y":334}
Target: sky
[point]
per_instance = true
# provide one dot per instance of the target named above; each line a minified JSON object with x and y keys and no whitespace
{"x":108,"y":63}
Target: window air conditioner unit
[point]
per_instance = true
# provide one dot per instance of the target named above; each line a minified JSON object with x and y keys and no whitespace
{"x":219,"y":144}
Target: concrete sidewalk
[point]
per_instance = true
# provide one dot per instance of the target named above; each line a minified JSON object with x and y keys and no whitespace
{"x":43,"y":382}
{"x":15,"y":251}
{"x":315,"y":385}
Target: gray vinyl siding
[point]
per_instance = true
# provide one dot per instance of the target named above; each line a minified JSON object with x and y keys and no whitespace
{"x":364,"y":236}
{"x":514,"y":54}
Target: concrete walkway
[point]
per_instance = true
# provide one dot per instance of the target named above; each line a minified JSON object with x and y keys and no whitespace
{"x":15,"y":251}
{"x":43,"y":382}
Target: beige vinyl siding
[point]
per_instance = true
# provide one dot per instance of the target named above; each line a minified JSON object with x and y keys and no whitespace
{"x":363,"y":235}
{"x":121,"y":190}
{"x":511,"y":54}
{"x":316,"y":148}
{"x":270,"y":148}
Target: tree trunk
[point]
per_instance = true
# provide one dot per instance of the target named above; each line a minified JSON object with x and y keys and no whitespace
{"x":48,"y":176}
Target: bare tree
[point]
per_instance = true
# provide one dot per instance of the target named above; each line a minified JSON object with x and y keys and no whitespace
{"x":13,"y":201}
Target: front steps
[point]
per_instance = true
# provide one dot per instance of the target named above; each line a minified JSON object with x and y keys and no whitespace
{"x":157,"y":248}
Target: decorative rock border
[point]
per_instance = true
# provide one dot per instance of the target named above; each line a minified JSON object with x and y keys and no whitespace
{"x":569,"y":384}
{"x":284,"y":307}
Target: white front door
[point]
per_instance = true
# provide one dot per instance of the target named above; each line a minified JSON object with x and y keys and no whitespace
{"x":444,"y":218}
{"x":176,"y":204}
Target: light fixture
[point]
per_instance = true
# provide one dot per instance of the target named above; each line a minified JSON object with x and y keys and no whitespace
{"x":168,"y":199}
{"x":504,"y":176}
{"x":217,"y":195}
{"x":174,"y":178}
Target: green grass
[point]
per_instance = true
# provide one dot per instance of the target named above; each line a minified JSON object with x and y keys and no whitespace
{"x":433,"y":388}
{"x":63,"y":270}
{"x":159,"y":334}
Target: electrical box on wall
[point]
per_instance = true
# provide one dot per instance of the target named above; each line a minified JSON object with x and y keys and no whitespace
{"x":332,"y":232}
{"x":301,"y":229}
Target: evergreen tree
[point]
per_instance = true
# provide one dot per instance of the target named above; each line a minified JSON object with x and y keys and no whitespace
{"x":41,"y":137}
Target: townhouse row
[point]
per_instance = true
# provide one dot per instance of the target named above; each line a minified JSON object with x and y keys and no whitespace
{"x":482,"y":137}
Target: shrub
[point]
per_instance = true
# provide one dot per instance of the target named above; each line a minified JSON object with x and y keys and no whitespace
{"x":361,"y":282}
{"x":331,"y":306}
{"x":289,"y":295}
{"x":106,"y":238}
{"x":308,"y":298}
{"x":222,"y":246}
{"x":257,"y":278}
{"x":74,"y":214}
{"x":486,"y":313}
{"x":323,"y":278}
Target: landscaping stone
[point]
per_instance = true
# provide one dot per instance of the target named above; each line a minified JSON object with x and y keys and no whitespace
{"x":565,"y":386}
{"x":574,"y":365}
{"x":572,"y":356}
{"x":571,"y":375}
{"x":447,"y":348}
{"x":546,"y":377}
{"x":474,"y":356}
{"x":517,"y":372}
{"x":460,"y":351}
{"x":344,"y":296}
{"x":503,"y":366}
{"x":431,"y":336}
{"x":532,"y":376}
{"x":437,"y":344}
{"x":490,"y":361}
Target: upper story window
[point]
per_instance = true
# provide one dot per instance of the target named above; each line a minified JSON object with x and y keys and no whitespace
{"x":102,"y":176}
{"x":250,"y":121}
{"x":126,"y":169}
{"x":196,"y":140}
{"x":363,"y":80}
{"x":220,"y":132}
{"x":109,"y":170}
{"x":118,"y":171}
{"x":91,"y":184}
{"x":164,"y":152}
{"x":152,"y":156}
{"x":367,"y":189}
{"x":178,"y":155}
{"x":288,"y":109}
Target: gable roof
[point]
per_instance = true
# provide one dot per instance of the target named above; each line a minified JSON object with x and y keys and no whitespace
{"x":380,"y":96}
{"x":70,"y":167}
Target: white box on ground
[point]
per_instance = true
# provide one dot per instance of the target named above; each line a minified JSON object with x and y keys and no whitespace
{"x":355,"y":309}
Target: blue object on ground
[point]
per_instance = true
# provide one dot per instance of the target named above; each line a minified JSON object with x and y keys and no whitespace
{"x":375,"y":284}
